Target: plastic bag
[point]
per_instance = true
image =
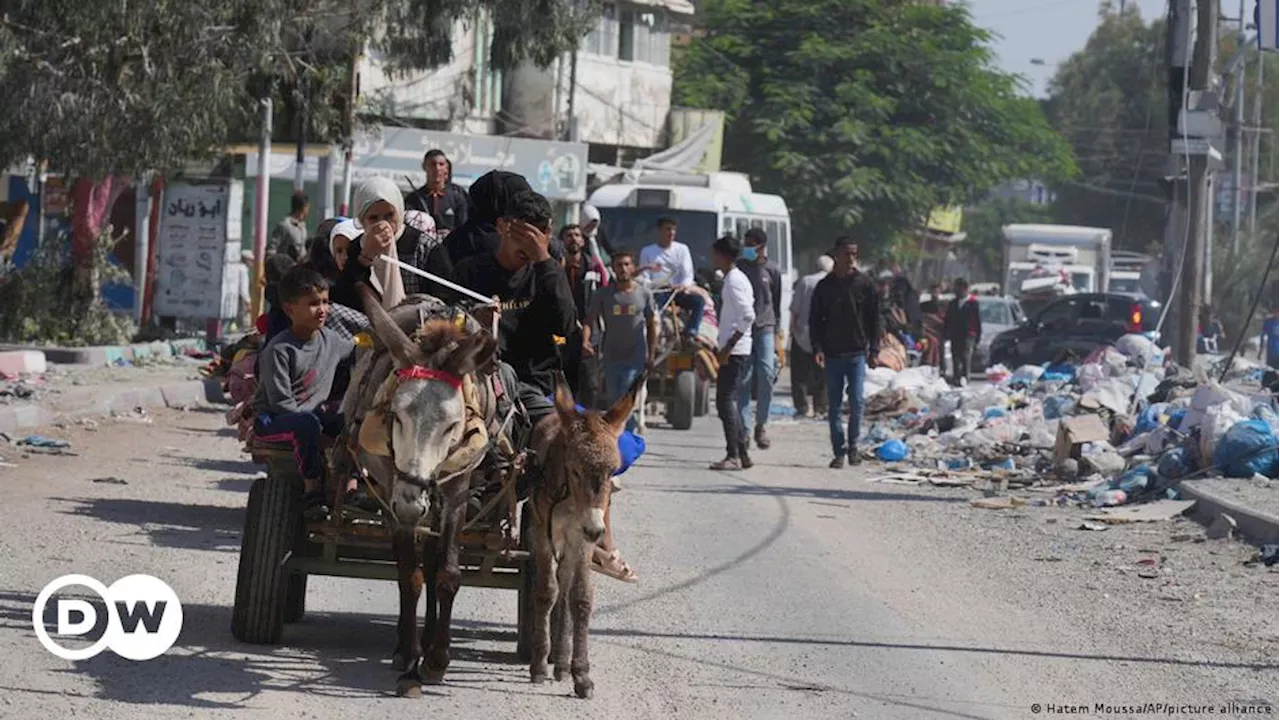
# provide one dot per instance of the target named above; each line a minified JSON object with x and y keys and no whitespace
{"x":1174,"y":464}
{"x":1029,"y":372}
{"x":1141,"y":350}
{"x":1056,"y":406}
{"x":892,"y":451}
{"x":1149,"y":419}
{"x":1248,"y":448}
{"x":997,"y":373}
{"x":1090,"y":376}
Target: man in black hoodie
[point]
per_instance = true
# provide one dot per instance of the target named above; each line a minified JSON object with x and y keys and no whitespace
{"x":536,"y":302}
{"x":844,"y":330}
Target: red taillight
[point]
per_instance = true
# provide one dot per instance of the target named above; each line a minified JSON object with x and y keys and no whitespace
{"x":1135,"y":320}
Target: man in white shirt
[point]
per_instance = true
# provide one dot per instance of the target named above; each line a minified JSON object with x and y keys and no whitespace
{"x":669,"y":263}
{"x":737,"y":314}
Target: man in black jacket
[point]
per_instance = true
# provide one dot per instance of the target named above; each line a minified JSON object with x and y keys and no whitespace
{"x":536,"y":302}
{"x":445,"y":202}
{"x":762,"y":371}
{"x":844,"y":330}
{"x":963,"y":329}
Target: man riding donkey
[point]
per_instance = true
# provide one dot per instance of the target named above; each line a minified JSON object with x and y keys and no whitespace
{"x":535,"y":307}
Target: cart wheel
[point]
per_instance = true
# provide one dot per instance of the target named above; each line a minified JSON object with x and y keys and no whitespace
{"x":295,"y":598}
{"x":262,"y":585}
{"x":702,"y":398}
{"x":524,"y":597}
{"x":680,"y":406}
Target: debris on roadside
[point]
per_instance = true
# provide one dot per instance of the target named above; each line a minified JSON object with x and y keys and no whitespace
{"x":1118,"y":431}
{"x":111,"y":480}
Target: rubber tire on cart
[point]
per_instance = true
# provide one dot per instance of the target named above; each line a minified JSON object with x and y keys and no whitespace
{"x":295,"y":598}
{"x":271,"y":525}
{"x":702,"y":398}
{"x":680,"y":406}
{"x":524,"y":595}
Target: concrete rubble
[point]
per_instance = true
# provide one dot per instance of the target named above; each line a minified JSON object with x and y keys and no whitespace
{"x":1123,"y":427}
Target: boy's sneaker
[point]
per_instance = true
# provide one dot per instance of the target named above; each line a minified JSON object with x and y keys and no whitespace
{"x":855,"y":458}
{"x":745,"y":461}
{"x":837,"y":462}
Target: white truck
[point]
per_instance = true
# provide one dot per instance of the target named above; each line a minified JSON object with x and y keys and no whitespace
{"x":1079,"y":256}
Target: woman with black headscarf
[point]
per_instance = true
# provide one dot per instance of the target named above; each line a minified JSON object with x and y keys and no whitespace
{"x":490,"y":196}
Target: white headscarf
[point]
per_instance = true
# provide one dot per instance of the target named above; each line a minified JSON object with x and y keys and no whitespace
{"x":589,"y":213}
{"x":386,"y":276}
{"x":347,"y":229}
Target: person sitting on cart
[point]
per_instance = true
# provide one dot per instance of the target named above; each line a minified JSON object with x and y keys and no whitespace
{"x":536,"y":305}
{"x":630,"y":320}
{"x":296,"y":376}
{"x":668,"y":262}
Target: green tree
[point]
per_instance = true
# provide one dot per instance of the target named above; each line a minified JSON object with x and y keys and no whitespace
{"x":864,"y":114}
{"x":103,"y":91}
{"x":1110,"y":101}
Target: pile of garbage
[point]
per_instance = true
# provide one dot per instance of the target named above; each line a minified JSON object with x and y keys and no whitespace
{"x":1123,"y":426}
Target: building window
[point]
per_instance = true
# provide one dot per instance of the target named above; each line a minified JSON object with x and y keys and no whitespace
{"x":627,"y":35}
{"x":602,"y":38}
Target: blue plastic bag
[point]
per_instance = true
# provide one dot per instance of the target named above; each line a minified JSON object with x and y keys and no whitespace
{"x":1059,"y":372}
{"x":1055,"y":405}
{"x":1249,"y":447}
{"x":1176,"y":417}
{"x":1174,"y":464}
{"x":892,"y":451}
{"x":993,"y":412}
{"x":1149,"y":419}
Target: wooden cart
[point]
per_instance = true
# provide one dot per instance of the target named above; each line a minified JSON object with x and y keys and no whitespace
{"x":279,"y":551}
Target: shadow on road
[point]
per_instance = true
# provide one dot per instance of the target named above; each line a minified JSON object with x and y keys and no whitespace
{"x":793,"y":492}
{"x":337,"y":655}
{"x":235,"y":484}
{"x":167,"y":524}
{"x":229,"y":467}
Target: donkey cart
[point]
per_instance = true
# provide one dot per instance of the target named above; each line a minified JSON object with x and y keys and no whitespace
{"x":280,"y":551}
{"x":682,"y":377}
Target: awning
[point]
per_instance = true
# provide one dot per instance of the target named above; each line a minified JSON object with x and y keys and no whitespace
{"x":680,"y":7}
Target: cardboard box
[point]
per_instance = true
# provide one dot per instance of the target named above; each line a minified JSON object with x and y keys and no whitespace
{"x":1074,"y":432}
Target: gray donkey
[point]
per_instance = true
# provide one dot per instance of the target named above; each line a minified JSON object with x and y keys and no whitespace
{"x":580,"y":455}
{"x":411,"y":408}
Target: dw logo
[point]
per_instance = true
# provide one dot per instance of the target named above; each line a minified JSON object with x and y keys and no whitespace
{"x":144,"y":617}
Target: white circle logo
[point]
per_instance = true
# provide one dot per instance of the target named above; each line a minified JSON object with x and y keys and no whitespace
{"x":144,"y":617}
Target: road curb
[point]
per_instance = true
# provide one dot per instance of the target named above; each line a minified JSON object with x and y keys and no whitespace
{"x":1256,"y":526}
{"x":189,"y":392}
{"x":112,"y":354}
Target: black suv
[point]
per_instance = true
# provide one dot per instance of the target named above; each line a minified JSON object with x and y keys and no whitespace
{"x":1082,"y":323}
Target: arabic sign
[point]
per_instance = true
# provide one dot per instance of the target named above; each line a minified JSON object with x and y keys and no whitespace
{"x":558,"y":170}
{"x":194,"y":247}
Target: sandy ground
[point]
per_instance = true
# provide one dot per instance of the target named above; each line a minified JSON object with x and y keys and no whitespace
{"x":785,"y":591}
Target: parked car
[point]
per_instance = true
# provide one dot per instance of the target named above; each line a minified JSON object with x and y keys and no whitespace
{"x":1082,"y":323}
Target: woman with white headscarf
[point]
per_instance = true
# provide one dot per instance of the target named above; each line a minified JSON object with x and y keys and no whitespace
{"x":380,"y":216}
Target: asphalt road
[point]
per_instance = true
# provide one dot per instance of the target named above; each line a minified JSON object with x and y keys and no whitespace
{"x":786,"y":591}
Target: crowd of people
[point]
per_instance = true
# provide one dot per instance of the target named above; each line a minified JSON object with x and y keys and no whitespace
{"x":562,"y":310}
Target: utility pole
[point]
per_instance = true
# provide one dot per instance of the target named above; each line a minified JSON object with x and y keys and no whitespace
{"x":1238,"y":142}
{"x":1258,"y":91}
{"x":261,"y":198}
{"x":1200,"y":212}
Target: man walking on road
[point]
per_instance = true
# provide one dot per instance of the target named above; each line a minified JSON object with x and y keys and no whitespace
{"x":737,"y":315}
{"x":844,"y":331}
{"x":630,"y":329}
{"x":807,"y":379}
{"x":290,"y":234}
{"x":762,"y":371}
{"x":963,"y":328}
